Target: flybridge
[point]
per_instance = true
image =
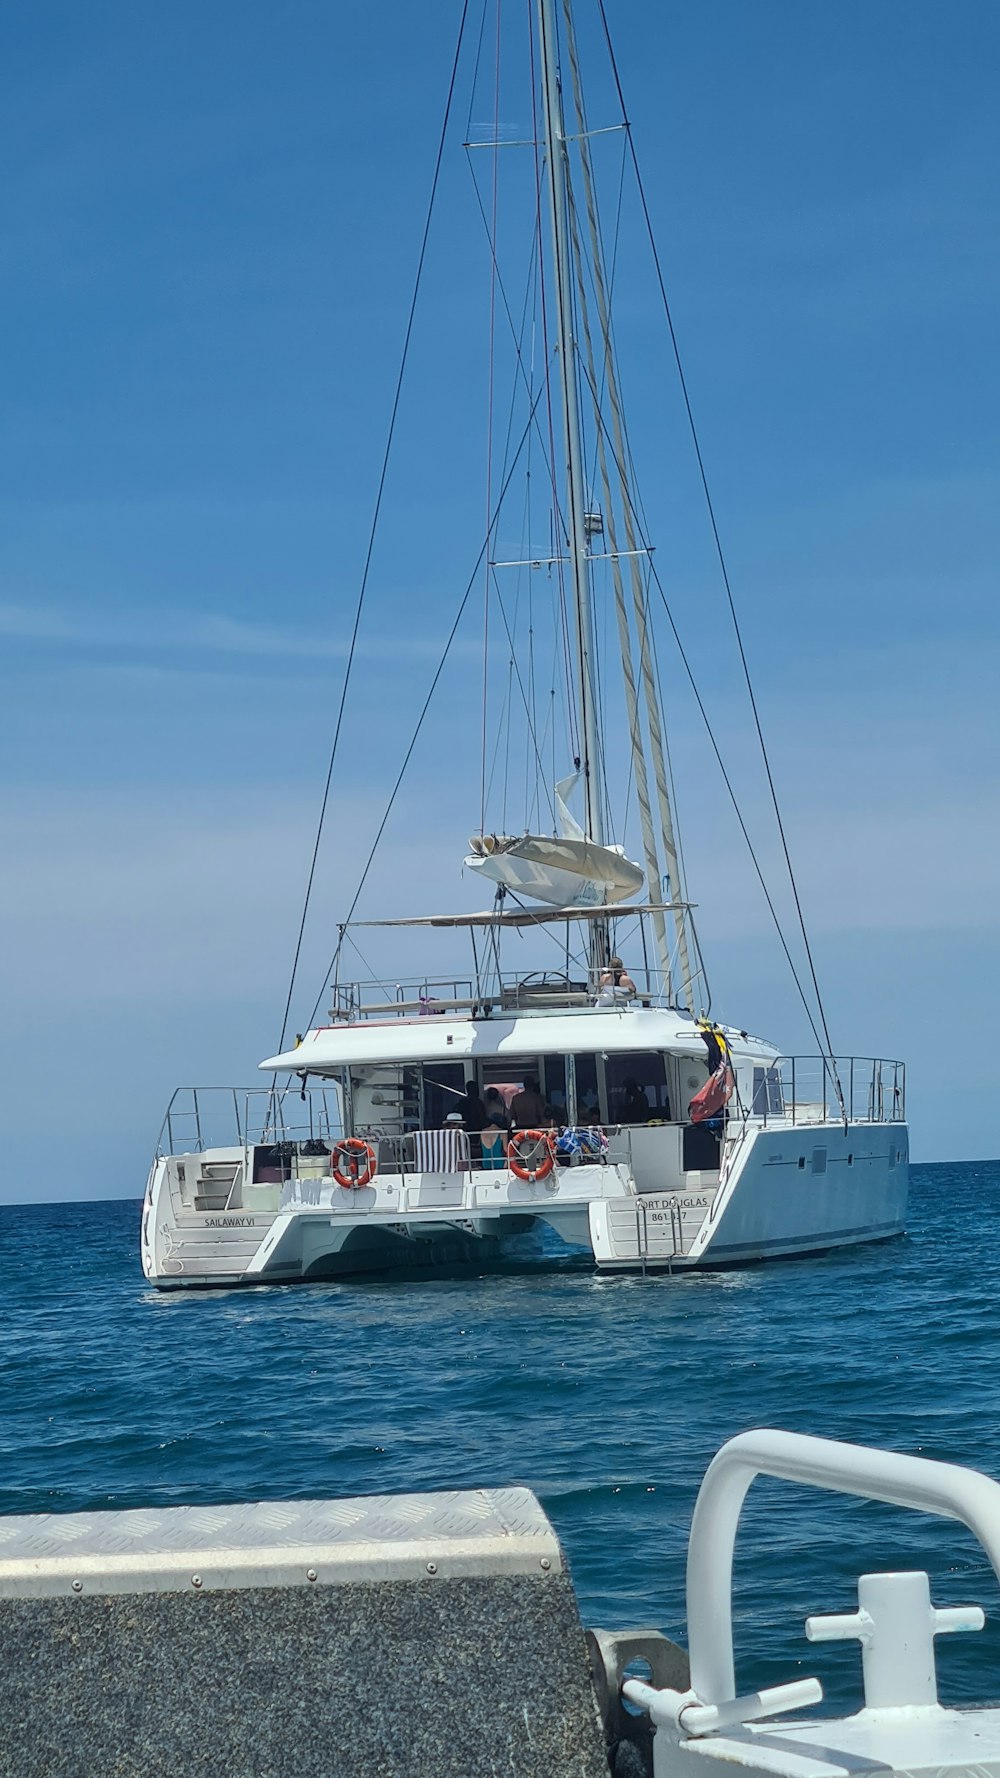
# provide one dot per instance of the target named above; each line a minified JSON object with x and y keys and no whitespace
{"x":566,"y":980}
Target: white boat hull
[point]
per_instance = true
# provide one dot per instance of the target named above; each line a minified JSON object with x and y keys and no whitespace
{"x":768,"y":1206}
{"x":783,"y":1191}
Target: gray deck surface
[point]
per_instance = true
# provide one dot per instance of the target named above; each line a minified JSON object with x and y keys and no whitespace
{"x":449,"y":1675}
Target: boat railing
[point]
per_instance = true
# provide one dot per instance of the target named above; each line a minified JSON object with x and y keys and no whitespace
{"x":792,"y":1089}
{"x":200,"y":1118}
{"x":402,"y":1153}
{"x":498,"y":992}
{"x":413,"y":1155}
{"x":381,"y":999}
{"x":529,"y":991}
{"x":577,"y":1144}
{"x":826,"y":1089}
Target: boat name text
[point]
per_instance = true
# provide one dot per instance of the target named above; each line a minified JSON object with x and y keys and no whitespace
{"x":685,"y":1202}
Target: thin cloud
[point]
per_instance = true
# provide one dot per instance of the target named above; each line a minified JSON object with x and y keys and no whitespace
{"x":210,"y":632}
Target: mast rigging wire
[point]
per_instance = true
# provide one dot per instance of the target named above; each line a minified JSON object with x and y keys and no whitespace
{"x":375,"y":518}
{"x":560,"y":532}
{"x":489,"y":422}
{"x":722,"y":563}
{"x":423,"y":711}
{"x":576,"y":718}
{"x":703,"y":712}
{"x":610,"y":380}
{"x":532,"y":732}
{"x":474,"y":85}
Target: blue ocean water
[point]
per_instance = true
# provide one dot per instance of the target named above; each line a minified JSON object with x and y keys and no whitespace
{"x":608,"y":1396}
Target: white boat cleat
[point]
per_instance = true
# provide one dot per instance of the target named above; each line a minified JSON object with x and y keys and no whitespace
{"x":901,"y":1728}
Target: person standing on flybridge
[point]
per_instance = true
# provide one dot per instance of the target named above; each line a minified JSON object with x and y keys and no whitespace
{"x":616,"y":987}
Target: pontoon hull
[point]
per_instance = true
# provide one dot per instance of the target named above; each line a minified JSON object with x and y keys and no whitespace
{"x":783,"y":1192}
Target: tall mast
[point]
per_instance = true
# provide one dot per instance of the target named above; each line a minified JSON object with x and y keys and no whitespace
{"x":558,"y":166}
{"x":650,"y":689}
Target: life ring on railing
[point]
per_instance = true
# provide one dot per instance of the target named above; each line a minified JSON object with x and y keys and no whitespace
{"x":515,"y":1158}
{"x":354,"y":1163}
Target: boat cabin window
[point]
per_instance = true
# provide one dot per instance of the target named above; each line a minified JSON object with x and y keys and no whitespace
{"x":636,"y":1087}
{"x":444,"y":1086}
{"x":767,"y":1099}
{"x":552,"y":1078}
{"x":629,"y":1088}
{"x":588,"y":1096}
{"x":508,"y":1074}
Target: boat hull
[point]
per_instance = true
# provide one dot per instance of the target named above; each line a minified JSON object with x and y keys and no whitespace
{"x":787,"y":1193}
{"x":782,"y":1192}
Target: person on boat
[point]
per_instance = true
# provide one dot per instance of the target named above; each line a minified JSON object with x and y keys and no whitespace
{"x":590,"y":1108}
{"x":528,"y":1109}
{"x":462,"y":1148}
{"x":472,"y":1109}
{"x":496,"y":1109}
{"x":493,"y":1142}
{"x":615,"y":987}
{"x":633,"y":1106}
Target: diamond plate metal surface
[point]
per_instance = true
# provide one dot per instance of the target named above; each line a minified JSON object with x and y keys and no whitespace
{"x":278,"y":1543}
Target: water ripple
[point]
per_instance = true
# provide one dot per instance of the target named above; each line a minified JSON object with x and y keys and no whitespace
{"x":606,"y":1395}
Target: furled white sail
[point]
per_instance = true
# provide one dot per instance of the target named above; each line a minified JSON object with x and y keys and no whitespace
{"x":565,"y":869}
{"x":568,"y":825}
{"x":565,"y":873}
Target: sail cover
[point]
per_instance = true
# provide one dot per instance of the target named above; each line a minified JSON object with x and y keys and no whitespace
{"x":565,"y":872}
{"x":565,"y":869}
{"x":561,"y":872}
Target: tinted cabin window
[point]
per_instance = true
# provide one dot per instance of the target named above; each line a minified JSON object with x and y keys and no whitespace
{"x":553,"y":1079}
{"x":410,"y":1098}
{"x":438,"y":1101}
{"x":637,"y":1088}
{"x":588,"y":1102}
{"x":767,"y":1100}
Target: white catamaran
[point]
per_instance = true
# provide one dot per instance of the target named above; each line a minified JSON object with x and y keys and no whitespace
{"x":431,"y":1120}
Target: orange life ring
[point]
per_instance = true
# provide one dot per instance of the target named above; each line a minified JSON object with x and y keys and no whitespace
{"x":346,"y":1160}
{"x":542,"y":1171}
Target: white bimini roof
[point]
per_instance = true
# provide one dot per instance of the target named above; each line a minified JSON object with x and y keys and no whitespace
{"x":440,"y":1038}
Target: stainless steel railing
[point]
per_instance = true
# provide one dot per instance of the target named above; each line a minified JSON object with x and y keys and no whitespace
{"x":792,"y":1089}
{"x":493,"y":992}
{"x":230,"y":1117}
{"x":825,"y":1089}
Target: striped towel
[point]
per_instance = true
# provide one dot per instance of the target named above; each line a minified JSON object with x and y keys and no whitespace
{"x":440,"y":1151}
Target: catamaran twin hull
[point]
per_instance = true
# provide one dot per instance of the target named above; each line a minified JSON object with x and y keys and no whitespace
{"x":788,"y":1175}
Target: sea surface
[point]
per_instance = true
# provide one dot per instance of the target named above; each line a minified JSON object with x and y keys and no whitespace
{"x":608,"y":1396}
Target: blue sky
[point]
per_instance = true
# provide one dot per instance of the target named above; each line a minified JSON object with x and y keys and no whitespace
{"x":209,"y":221}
